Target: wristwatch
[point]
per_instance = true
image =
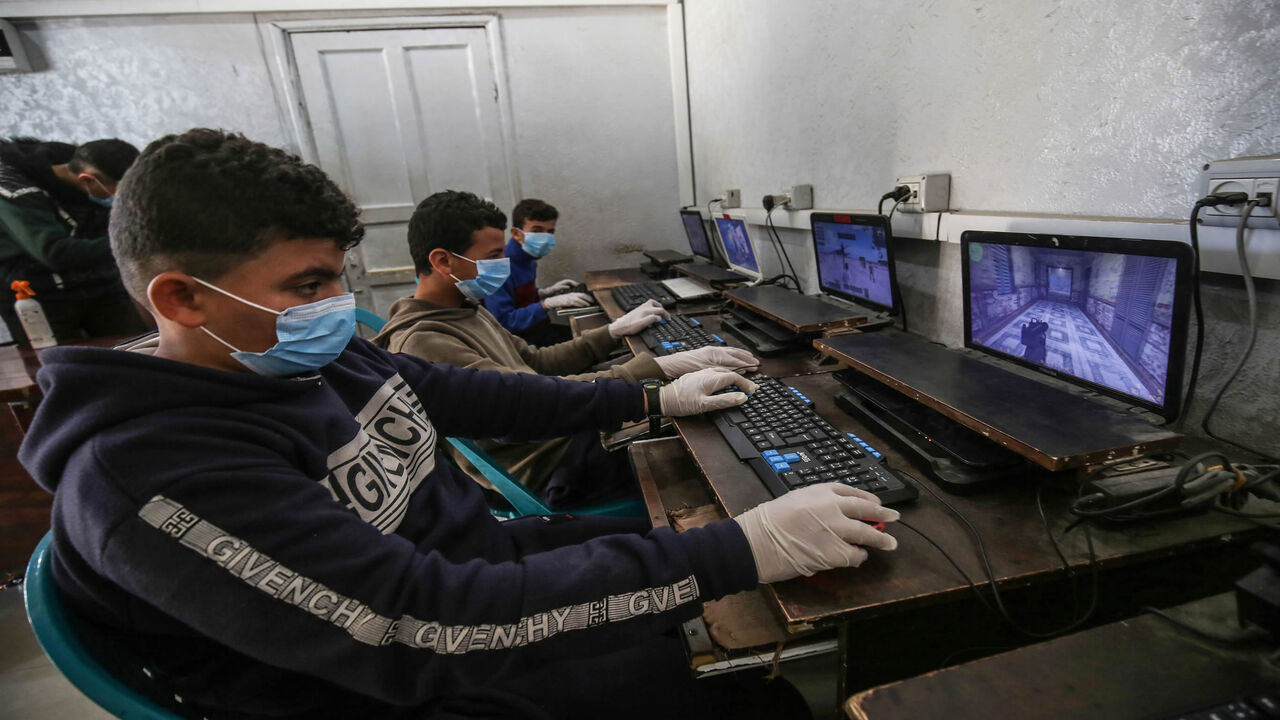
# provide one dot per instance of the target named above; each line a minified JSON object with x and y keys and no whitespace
{"x":651,"y":388}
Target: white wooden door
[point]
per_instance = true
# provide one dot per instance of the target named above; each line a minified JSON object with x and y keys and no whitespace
{"x":395,"y":115}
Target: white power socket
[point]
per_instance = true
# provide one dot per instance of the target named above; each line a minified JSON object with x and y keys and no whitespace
{"x":731,"y":199}
{"x":1258,"y":177}
{"x":929,"y":193}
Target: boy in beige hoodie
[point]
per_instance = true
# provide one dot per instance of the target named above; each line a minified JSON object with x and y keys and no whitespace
{"x":456,"y":240}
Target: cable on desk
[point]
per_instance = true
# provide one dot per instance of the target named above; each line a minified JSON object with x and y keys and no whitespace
{"x":991,"y":578}
{"x":950,"y":559}
{"x":1198,"y":485}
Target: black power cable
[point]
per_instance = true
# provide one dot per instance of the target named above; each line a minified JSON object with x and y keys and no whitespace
{"x":768,"y":221}
{"x":991,"y":578}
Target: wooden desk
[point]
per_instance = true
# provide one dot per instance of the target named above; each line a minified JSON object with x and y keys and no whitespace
{"x":596,"y":280}
{"x":914,"y":601}
{"x":1144,"y":667}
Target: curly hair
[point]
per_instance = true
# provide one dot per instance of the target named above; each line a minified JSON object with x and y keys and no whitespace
{"x":532,"y":209}
{"x":206,"y":201}
{"x":446,"y":220}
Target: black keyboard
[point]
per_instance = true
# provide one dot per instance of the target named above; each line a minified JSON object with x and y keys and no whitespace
{"x":631,"y":296}
{"x":678,"y":333}
{"x":1262,"y":705}
{"x":789,"y":445}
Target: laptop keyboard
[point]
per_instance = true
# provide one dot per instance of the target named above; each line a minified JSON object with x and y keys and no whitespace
{"x":631,"y":296}
{"x":678,"y":333}
{"x":789,"y":445}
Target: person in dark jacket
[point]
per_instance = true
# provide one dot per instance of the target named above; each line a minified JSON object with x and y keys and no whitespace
{"x":54,"y":201}
{"x":254,"y":501}
{"x":520,"y":305}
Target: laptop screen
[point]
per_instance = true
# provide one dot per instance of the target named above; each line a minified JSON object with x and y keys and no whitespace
{"x":697,"y":232}
{"x":855,"y":259}
{"x":737,"y":245}
{"x":1106,"y":313}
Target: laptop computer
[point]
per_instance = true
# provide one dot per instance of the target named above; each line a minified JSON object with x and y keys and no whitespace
{"x":705,"y":265}
{"x":854,"y":256}
{"x":1048,"y":312}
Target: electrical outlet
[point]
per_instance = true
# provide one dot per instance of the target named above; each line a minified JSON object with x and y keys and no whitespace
{"x":929,"y":193}
{"x":1256,"y":176}
{"x":732,"y":199}
{"x":801,"y":197}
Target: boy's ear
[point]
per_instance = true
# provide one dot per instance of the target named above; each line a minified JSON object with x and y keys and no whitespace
{"x":173,"y":296}
{"x":441,"y":262}
{"x":517,"y":234}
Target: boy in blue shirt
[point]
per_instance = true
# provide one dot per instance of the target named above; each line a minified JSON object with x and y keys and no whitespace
{"x":520,"y":305}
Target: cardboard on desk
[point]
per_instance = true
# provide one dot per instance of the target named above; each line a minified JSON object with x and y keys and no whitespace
{"x":798,"y":313}
{"x":1054,"y":428}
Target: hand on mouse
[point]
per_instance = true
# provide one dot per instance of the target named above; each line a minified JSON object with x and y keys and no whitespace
{"x":815,"y":528}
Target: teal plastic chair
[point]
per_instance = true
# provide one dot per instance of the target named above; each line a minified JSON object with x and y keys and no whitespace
{"x":61,"y":638}
{"x":369,"y":319}
{"x":523,"y":499}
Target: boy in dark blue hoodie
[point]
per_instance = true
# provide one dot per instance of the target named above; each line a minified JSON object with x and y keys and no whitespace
{"x":520,"y":305}
{"x":254,"y":502}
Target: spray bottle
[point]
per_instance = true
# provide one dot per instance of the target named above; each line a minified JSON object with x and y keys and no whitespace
{"x":31,"y":315}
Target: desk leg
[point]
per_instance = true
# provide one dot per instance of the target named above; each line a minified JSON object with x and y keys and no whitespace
{"x":842,"y":665}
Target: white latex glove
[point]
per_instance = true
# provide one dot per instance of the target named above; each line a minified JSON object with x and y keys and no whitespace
{"x":568,"y":300}
{"x":815,"y":528}
{"x":692,"y":394}
{"x":640,"y":317}
{"x":556,"y":288}
{"x":725,"y":358}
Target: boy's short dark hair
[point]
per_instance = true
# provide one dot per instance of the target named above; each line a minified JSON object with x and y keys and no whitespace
{"x":206,"y":201}
{"x":532,"y":209}
{"x":110,"y":157}
{"x":446,"y":220}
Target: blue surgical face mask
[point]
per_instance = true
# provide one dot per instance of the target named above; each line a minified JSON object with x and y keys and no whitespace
{"x":538,"y":244}
{"x":103,"y":201}
{"x":490,"y":275}
{"x":308,"y":337}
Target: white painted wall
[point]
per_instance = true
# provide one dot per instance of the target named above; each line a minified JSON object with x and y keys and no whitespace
{"x":590,"y":93}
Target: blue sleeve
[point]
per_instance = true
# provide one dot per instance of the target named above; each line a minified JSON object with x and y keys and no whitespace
{"x":502,"y":304}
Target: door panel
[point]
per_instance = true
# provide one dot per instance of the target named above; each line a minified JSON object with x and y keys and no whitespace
{"x":397,"y":114}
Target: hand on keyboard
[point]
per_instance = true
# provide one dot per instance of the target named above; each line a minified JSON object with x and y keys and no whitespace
{"x":815,"y":528}
{"x":568,"y":300}
{"x":638,"y":319}
{"x":696,"y":392}
{"x":560,"y":286}
{"x":725,"y":358}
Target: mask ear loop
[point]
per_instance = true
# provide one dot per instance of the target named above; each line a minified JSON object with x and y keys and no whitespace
{"x":235,"y":297}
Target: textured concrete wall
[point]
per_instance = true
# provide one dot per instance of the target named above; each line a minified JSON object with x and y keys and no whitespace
{"x":1087,"y":107}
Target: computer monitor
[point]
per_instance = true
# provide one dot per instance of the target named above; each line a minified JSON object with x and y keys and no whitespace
{"x":696,"y":229}
{"x":1106,"y":313}
{"x":855,"y":258}
{"x":736,"y":242}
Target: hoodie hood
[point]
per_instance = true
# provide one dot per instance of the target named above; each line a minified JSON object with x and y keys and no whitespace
{"x":75,"y":407}
{"x":409,"y":311}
